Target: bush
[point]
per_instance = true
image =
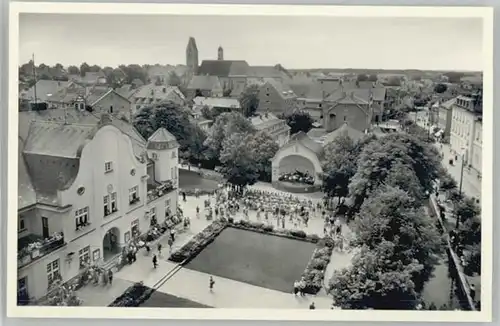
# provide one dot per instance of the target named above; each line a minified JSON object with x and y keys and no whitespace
{"x":268,"y":228}
{"x":230,"y":220}
{"x":134,"y":296}
{"x":198,"y":243}
{"x":298,"y":234}
{"x":314,"y":273}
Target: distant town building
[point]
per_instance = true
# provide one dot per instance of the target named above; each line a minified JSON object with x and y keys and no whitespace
{"x":150,"y":95}
{"x":207,"y":86}
{"x":445,"y":114}
{"x":276,"y":97}
{"x":275,"y":127}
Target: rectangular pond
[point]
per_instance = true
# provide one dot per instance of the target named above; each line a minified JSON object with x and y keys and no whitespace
{"x":263,"y":260}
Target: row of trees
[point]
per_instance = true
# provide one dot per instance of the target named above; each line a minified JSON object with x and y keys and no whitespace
{"x":385,"y":180}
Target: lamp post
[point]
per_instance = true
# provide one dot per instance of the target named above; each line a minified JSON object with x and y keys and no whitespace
{"x":461,"y":182}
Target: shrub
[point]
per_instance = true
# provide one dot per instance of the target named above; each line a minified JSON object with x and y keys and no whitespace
{"x":318,"y":263}
{"x":268,"y":228}
{"x":134,"y":296}
{"x":230,"y":220}
{"x":298,"y":233}
{"x":198,"y":242}
{"x":314,"y":273}
{"x":314,"y":237}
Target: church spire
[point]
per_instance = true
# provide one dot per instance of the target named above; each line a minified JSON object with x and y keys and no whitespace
{"x":220,"y":53}
{"x":192,"y":55}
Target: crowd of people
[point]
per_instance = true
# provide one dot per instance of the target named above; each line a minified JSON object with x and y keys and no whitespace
{"x":297,"y":177}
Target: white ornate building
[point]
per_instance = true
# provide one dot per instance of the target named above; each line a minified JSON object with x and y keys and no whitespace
{"x":86,"y":185}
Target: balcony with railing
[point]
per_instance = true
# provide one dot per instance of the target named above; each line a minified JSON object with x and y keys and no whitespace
{"x":158,"y":190}
{"x":33,"y":247}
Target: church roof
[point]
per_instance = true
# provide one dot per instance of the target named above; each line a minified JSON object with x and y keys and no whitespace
{"x":344,"y":131}
{"x":224,"y":68}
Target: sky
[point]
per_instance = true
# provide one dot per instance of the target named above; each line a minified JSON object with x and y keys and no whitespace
{"x":294,"y":42}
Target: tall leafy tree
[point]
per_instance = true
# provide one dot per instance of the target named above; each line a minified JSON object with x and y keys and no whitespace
{"x":249,"y":100}
{"x":73,"y":70}
{"x":174,"y":79}
{"x":225,"y":125}
{"x":376,"y":280}
{"x":239,"y":165}
{"x":339,"y":166}
{"x":176,"y":120}
{"x":262,"y":149}
{"x":299,"y":121}
{"x":84,"y":68}
{"x":392,"y":215}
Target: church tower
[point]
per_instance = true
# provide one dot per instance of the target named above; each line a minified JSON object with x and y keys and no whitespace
{"x":192,"y":55}
{"x":220,"y":53}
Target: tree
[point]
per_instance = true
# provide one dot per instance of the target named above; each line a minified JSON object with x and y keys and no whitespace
{"x":393,"y":81}
{"x":73,"y":70}
{"x":206,"y":112}
{"x":380,"y":156}
{"x":466,"y":209}
{"x":158,"y":81}
{"x":249,"y":100}
{"x":239,"y":166}
{"x":176,"y":120}
{"x":94,"y":68}
{"x":376,"y":280}
{"x":362,"y":77}
{"x":454,"y":77}
{"x":84,"y":68}
{"x":446,"y":181}
{"x":440,"y":88}
{"x":262,"y":149}
{"x":403,"y":176}
{"x":372,"y":78}
{"x":390,"y":214}
{"x":299,"y":121}
{"x":58,"y":66}
{"x":134,"y":72}
{"x":339,"y":166}
{"x":174,"y":79}
{"x":225,"y":125}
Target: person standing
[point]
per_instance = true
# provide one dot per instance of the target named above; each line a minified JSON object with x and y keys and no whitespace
{"x":155,"y":261}
{"x":211,"y":284}
{"x":159,"y":249}
{"x":110,"y":277}
{"x":312,"y":306}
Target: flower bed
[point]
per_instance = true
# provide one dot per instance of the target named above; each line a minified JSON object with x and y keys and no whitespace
{"x":269,"y":229}
{"x":199,"y":242}
{"x":314,"y":273}
{"x":134,"y":296}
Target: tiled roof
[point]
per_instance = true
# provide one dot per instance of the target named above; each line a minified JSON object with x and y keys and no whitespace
{"x":344,"y":130}
{"x":221,"y":102}
{"x":224,"y":68}
{"x":26,"y":194}
{"x":204,"y":82}
{"x":264,"y":71}
{"x":264,"y":121}
{"x":57,"y":139}
{"x":44,"y":90}
{"x":155,"y":93}
{"x":306,"y":141}
{"x":283,"y":90}
{"x":161,"y":135}
{"x":315,"y":91}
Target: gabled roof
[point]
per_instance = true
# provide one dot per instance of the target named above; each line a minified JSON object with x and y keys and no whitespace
{"x":265,"y":120}
{"x":224,"y":68}
{"x":344,"y":130}
{"x":204,"y":83}
{"x":282,"y":89}
{"x":265,"y":72}
{"x":448,"y":104}
{"x":157,"y":92}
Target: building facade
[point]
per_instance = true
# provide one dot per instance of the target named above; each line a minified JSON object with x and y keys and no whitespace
{"x":275,"y":127}
{"x":463,"y":124}
{"x":445,"y":114}
{"x":477,"y":147}
{"x":84,"y":192}
{"x":276,"y":97}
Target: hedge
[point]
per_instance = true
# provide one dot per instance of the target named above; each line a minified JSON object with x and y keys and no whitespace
{"x":134,"y":296}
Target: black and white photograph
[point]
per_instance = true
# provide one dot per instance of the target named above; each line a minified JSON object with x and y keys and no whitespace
{"x":254,"y":160}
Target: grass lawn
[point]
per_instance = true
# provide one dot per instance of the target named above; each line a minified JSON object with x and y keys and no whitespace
{"x":259,"y":259}
{"x":164,"y":300}
{"x":192,"y":180}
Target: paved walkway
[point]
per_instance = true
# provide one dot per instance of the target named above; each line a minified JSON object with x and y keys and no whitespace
{"x":193,"y":285}
{"x":227,"y":293}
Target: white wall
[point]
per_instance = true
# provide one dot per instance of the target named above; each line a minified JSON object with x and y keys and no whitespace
{"x":296,"y":149}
